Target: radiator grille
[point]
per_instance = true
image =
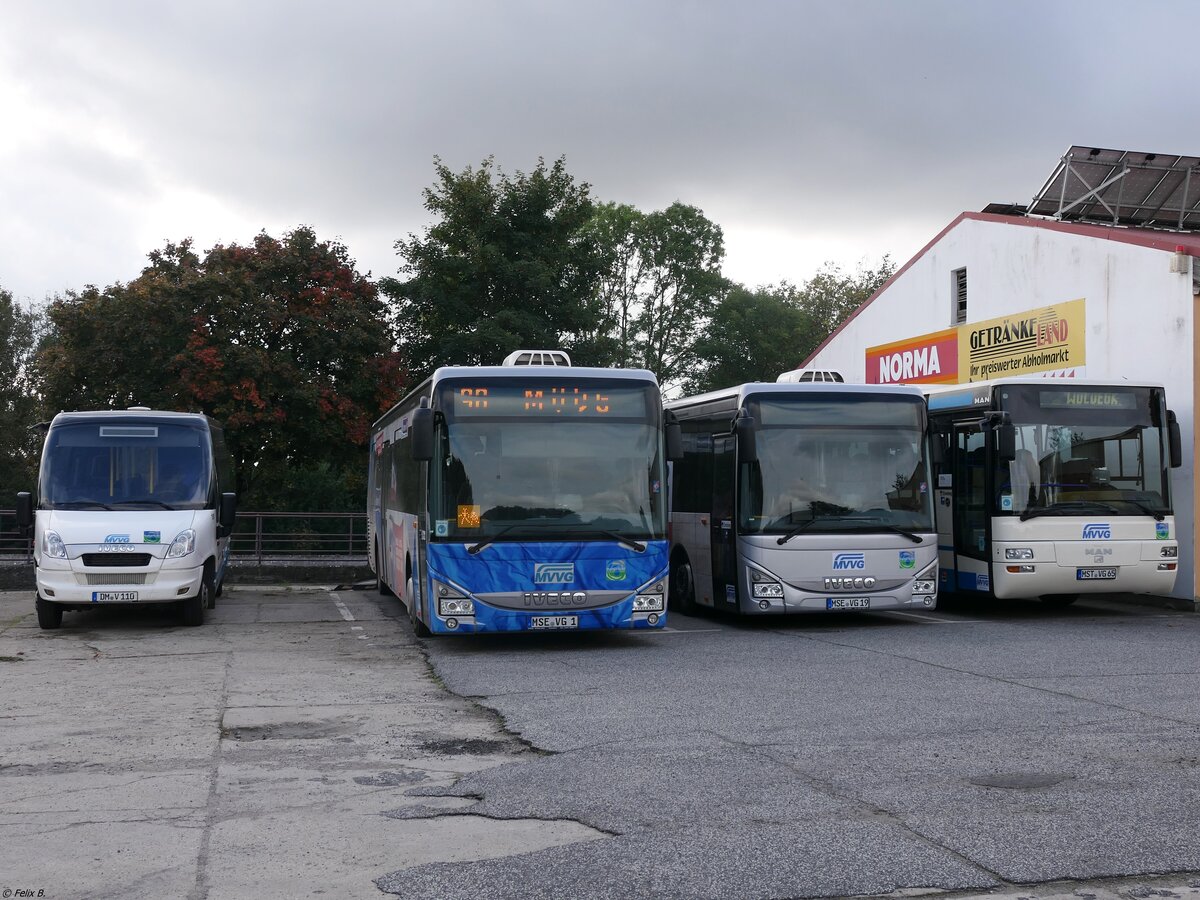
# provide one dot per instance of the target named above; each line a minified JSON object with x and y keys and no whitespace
{"x":115,"y":578}
{"x":116,"y":560}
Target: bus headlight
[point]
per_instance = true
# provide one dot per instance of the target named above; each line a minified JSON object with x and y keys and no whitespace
{"x":1171,"y":552}
{"x":53,"y":546}
{"x":926,"y":582}
{"x":648,"y":603}
{"x":460,"y":606}
{"x":1018,"y":553}
{"x":452,"y":602}
{"x":764,"y":586}
{"x":184,"y":543}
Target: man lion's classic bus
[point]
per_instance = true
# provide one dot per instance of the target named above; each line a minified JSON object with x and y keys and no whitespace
{"x":804,"y":496}
{"x":523,"y":497}
{"x":135,"y":506}
{"x":1054,"y":489}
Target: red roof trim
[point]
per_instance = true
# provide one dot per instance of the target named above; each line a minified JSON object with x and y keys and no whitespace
{"x":1155,"y":240}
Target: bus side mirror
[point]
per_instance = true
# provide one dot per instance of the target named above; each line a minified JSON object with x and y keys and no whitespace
{"x":1175,"y":439}
{"x":24,"y":510}
{"x":228,"y":512}
{"x":747,"y":446}
{"x":1006,"y":441}
{"x":673,"y":436}
{"x":421,"y":432}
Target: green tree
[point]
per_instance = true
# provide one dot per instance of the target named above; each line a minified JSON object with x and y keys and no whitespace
{"x":504,"y":266}
{"x":282,"y":340}
{"x":19,"y":444}
{"x":832,"y":295}
{"x":756,"y":335}
{"x":661,"y":281}
{"x":752,"y":337}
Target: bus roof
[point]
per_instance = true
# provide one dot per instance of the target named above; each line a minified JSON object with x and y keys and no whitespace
{"x":741,"y":391}
{"x":131,"y":415}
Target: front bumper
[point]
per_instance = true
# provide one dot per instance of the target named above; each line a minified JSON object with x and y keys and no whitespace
{"x":164,"y":585}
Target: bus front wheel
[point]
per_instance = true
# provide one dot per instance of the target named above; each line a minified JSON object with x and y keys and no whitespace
{"x":49,"y":615}
{"x":420,"y":629}
{"x":683,"y":589}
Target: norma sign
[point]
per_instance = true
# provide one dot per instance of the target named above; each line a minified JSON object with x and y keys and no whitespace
{"x":1048,"y":339}
{"x":928,"y":359}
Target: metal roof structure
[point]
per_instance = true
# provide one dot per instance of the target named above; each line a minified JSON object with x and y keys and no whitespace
{"x":1123,"y":187}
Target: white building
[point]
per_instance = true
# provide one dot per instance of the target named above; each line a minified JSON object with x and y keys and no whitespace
{"x":1123,"y":297}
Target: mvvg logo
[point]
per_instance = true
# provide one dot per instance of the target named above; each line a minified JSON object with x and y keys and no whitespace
{"x":1097,"y":531}
{"x":116,"y":539}
{"x":842,"y":561}
{"x":553,"y":573}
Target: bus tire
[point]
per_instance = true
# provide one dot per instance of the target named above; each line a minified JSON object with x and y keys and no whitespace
{"x":1059,"y":601}
{"x":49,"y":615}
{"x":192,"y":609}
{"x":683,"y":588}
{"x":210,"y":573}
{"x":420,"y":629}
{"x":380,"y":584}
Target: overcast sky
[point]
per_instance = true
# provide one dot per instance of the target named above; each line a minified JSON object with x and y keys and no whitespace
{"x":809,"y":131}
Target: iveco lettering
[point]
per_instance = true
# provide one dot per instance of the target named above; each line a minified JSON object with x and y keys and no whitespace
{"x":132,"y":507}
{"x":498,"y":494}
{"x":1053,"y":490}
{"x":807,"y":495}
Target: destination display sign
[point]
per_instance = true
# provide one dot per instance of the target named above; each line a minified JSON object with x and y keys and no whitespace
{"x":547,"y":400}
{"x":1084,"y":399}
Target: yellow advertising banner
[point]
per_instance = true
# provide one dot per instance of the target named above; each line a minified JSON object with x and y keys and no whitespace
{"x":1037,"y":340}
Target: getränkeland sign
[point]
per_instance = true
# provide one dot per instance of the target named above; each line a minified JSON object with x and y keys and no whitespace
{"x":1047,"y":339}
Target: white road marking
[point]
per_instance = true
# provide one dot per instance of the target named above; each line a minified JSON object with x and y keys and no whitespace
{"x":925,"y":617}
{"x":341,"y":607}
{"x":356,"y":628}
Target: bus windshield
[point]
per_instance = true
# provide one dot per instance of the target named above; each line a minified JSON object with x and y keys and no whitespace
{"x":93,"y":465}
{"x":515,"y":467}
{"x":1083,"y":449}
{"x":836,"y":463}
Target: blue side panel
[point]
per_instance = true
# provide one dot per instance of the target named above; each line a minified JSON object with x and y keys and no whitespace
{"x":518,"y":567}
{"x":969,"y":581}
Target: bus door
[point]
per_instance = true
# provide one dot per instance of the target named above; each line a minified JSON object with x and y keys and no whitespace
{"x":971,"y":514}
{"x":724,"y":547}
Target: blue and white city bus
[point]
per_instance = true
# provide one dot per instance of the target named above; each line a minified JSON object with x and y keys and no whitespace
{"x":523,"y":497}
{"x":1054,"y":489}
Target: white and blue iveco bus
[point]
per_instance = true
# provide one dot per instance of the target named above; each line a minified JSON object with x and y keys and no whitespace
{"x":1054,"y":489}
{"x":803,"y":498}
{"x":523,"y":497}
{"x":133,"y":506}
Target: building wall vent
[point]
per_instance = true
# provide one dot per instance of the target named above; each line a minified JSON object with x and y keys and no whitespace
{"x":537,"y":358}
{"x":803,"y":376}
{"x":959,"y":286}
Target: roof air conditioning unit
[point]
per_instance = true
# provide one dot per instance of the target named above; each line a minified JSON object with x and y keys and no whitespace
{"x":537,"y":358}
{"x":801,"y":376}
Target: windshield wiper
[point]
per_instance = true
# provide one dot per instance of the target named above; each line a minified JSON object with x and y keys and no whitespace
{"x":157,"y":503}
{"x":882,"y":526}
{"x":1065,"y":507}
{"x":475,"y":548}
{"x":80,"y":504}
{"x":621,"y":539}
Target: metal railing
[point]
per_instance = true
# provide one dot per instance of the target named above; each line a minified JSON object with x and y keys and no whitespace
{"x":256,"y":535}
